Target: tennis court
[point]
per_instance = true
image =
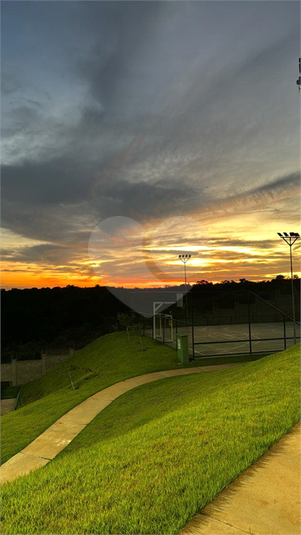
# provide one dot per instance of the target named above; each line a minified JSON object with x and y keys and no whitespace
{"x":213,"y":340}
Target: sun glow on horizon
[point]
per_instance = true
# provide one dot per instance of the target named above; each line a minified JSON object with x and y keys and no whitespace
{"x":125,"y":254}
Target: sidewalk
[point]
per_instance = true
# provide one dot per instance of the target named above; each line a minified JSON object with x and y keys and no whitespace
{"x":44,"y":448}
{"x":264,"y":500}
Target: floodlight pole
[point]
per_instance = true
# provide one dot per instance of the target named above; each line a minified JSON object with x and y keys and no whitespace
{"x":298,"y":82}
{"x":184,"y":258}
{"x":290,"y":239}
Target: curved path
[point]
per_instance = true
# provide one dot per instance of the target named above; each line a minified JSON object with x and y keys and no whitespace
{"x":44,"y":448}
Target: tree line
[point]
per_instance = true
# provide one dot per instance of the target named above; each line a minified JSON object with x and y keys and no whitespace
{"x":72,"y":317}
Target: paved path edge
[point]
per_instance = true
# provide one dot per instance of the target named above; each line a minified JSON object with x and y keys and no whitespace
{"x":264,"y":500}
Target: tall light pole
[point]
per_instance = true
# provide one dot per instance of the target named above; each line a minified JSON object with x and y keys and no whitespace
{"x":290,"y":239}
{"x":298,"y":82}
{"x":184,"y":258}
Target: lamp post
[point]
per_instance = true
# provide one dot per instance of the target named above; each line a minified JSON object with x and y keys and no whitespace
{"x":290,"y":239}
{"x":298,"y":82}
{"x":184,"y":258}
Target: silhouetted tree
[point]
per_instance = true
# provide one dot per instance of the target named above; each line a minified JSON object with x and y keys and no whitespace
{"x":127,"y":321}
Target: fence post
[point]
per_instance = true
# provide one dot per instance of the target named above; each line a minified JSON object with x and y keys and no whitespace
{"x":249,"y":320}
{"x":162,"y":317}
{"x":192,"y":331}
{"x":284,"y":332}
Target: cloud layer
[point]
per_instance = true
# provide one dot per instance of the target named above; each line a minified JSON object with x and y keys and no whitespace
{"x":148,"y":110}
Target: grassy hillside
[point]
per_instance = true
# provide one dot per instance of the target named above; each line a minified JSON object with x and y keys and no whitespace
{"x":109,"y":357}
{"x":105,"y":361}
{"x":160,"y":452}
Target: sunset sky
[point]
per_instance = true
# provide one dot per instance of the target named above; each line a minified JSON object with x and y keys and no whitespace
{"x":133,"y":132}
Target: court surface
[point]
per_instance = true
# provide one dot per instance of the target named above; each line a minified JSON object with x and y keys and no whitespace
{"x":234,"y":339}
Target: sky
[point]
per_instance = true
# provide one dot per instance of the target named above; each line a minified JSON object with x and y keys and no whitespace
{"x":133,"y":132}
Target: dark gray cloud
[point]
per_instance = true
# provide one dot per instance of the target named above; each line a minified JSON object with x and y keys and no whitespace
{"x":119,"y":29}
{"x":284,"y":183}
{"x":144,"y":201}
{"x":265,"y":197}
{"x":51,"y":223}
{"x":44,"y":217}
{"x":283,"y":187}
{"x":37,"y":253}
{"x":50,"y":182}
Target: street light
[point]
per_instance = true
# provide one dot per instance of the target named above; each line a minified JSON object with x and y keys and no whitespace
{"x":298,"y":82}
{"x":290,"y":239}
{"x":184,"y":258}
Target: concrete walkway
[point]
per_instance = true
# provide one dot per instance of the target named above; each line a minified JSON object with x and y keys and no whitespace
{"x":44,"y":448}
{"x":264,"y":500}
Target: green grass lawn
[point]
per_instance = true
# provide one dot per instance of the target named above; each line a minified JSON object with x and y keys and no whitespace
{"x":159,"y":453}
{"x":105,"y":361}
{"x":227,"y":359}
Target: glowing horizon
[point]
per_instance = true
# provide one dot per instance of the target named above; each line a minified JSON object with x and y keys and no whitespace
{"x":214,"y":263}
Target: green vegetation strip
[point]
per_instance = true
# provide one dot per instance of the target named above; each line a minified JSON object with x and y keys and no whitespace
{"x":159,"y":453}
{"x":226,"y":359}
{"x":106,"y":361}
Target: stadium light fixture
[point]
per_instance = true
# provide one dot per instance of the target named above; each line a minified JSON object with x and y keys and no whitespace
{"x":290,"y":239}
{"x":184,"y":258}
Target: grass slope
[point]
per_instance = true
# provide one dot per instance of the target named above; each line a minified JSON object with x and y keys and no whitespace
{"x":106,"y":361}
{"x":159,"y":453}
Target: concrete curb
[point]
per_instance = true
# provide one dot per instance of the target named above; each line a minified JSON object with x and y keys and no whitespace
{"x":263,"y":500}
{"x":17,"y":398}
